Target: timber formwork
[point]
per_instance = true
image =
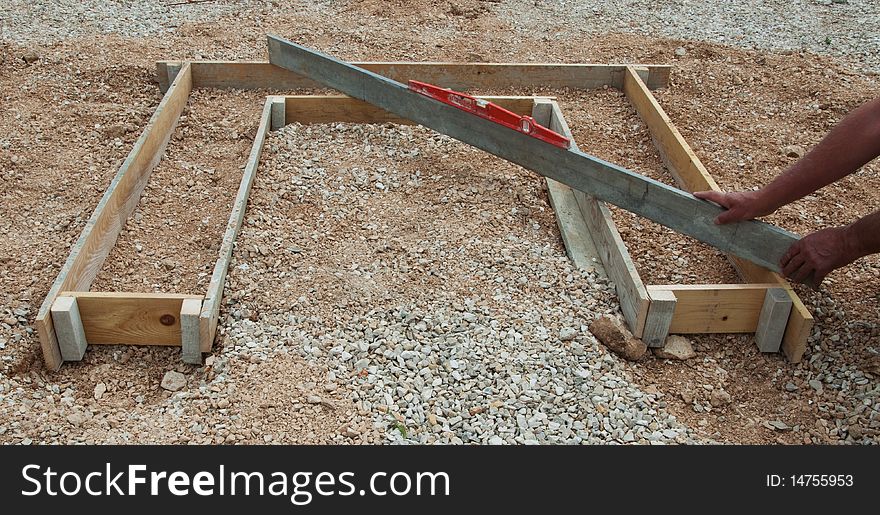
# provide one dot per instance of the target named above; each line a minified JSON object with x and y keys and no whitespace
{"x":73,"y":317}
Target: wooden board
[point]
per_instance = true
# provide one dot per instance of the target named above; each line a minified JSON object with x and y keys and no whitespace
{"x":211,"y":305}
{"x":344,"y":109}
{"x":190,"y":311}
{"x":773,"y":319}
{"x":461,"y":76}
{"x":130,"y":318}
{"x":756,"y":241}
{"x":715,"y":308}
{"x":572,"y":228}
{"x":691,"y":175}
{"x":616,"y":261}
{"x":659,"y":318}
{"x":99,"y":235}
{"x":69,"y":328}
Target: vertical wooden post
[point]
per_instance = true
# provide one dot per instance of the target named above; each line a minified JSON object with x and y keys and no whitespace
{"x":191,"y":350}
{"x":278,"y":117}
{"x":773,"y":320}
{"x":659,"y":317}
{"x":69,"y":328}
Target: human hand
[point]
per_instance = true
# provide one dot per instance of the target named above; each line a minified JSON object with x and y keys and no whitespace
{"x":741,"y":205}
{"x":815,"y":255}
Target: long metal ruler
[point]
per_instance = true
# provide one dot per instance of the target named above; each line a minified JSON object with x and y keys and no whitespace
{"x":756,"y":241}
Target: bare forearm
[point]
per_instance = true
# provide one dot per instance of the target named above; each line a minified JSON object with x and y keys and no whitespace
{"x":851,"y":144}
{"x":864,"y":234}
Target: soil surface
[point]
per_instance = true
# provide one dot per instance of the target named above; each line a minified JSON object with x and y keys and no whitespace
{"x":76,"y":101}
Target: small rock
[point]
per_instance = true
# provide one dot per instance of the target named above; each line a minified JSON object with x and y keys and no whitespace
{"x":778,"y":425}
{"x":76,"y":419}
{"x":680,"y":51}
{"x":791,"y":387}
{"x":496,"y":440}
{"x":173,"y":381}
{"x":10,"y":321}
{"x":114,"y":131}
{"x":30,"y":57}
{"x":348,"y":432}
{"x":567,"y":334}
{"x":432,"y":419}
{"x":611,"y":332}
{"x":855,"y":432}
{"x":314,"y":399}
{"x":100,"y":388}
{"x":816,"y":385}
{"x":794,"y":151}
{"x":719,"y":397}
{"x":677,"y":347}
{"x":362,"y":364}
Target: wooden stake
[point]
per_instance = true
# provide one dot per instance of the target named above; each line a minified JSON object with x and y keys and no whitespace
{"x":189,"y":331}
{"x":69,"y":328}
{"x":774,"y":317}
{"x":659,"y":317}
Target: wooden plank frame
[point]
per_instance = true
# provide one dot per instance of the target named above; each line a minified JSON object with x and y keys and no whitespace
{"x":769,"y":307}
{"x":691,"y":175}
{"x":170,"y":319}
{"x":460,"y":76}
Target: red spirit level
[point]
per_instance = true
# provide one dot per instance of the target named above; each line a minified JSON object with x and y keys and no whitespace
{"x":492,"y":112}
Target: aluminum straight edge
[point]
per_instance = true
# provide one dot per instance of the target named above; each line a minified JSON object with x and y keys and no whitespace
{"x":759,"y":242}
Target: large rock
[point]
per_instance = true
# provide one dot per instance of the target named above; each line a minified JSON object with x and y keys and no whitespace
{"x":173,"y":381}
{"x":30,"y":57}
{"x":794,"y":151}
{"x":614,"y":335}
{"x":676,"y":347}
{"x":719,"y":397}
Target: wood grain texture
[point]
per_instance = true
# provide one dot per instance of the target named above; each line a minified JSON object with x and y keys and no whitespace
{"x":572,"y":228}
{"x":279,"y":113}
{"x":211,"y":305}
{"x":773,"y":319}
{"x":460,"y":76}
{"x":69,"y":328}
{"x":659,"y":319}
{"x":756,"y":241}
{"x":99,"y":235}
{"x":344,"y":109}
{"x":191,"y":351}
{"x":608,"y":244}
{"x":691,"y":175}
{"x":130,"y":318}
{"x":715,"y":308}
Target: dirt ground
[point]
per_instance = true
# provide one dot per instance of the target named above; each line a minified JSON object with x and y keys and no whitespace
{"x":73,"y":109}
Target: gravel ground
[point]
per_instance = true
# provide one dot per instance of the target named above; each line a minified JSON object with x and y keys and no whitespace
{"x":46,"y":21}
{"x":451,"y":331}
{"x":387,"y":296}
{"x":844,"y":28}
